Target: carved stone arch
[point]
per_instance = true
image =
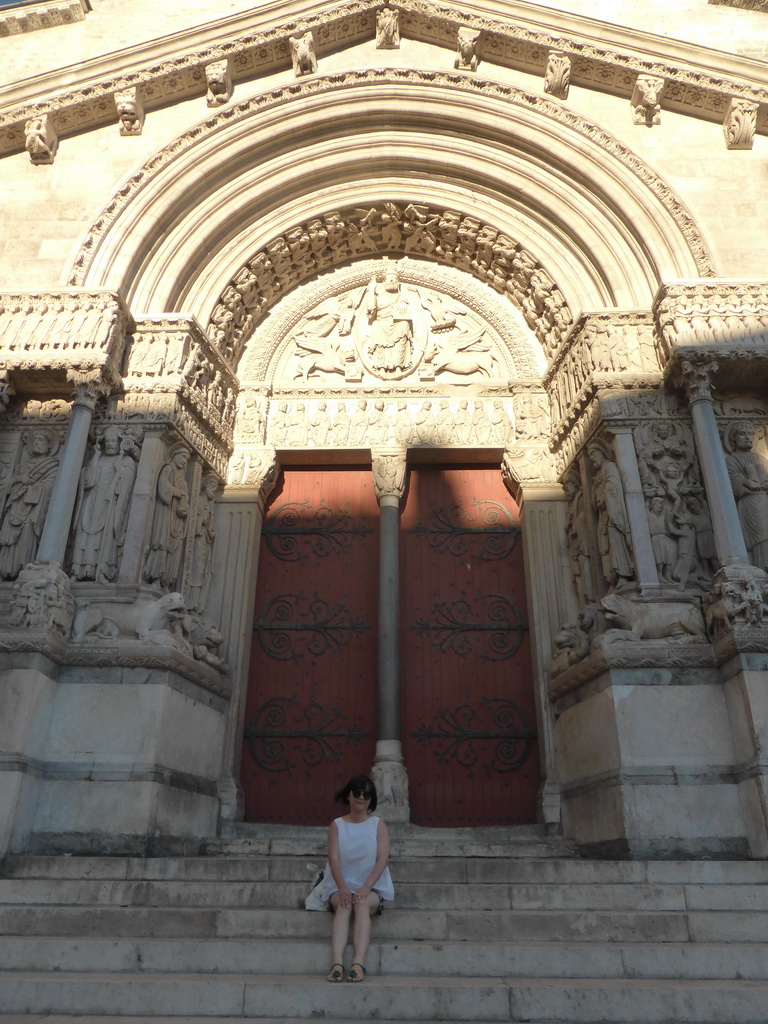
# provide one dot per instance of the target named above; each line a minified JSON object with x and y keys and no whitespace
{"x":605,"y":226}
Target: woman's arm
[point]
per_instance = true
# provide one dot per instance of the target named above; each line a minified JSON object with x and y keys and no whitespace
{"x":334,"y":863}
{"x":382,"y":860}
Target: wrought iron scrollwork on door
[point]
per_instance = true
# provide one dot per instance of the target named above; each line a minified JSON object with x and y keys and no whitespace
{"x":450,"y":531}
{"x":292,"y":533}
{"x":493,"y":633}
{"x":291,"y":625}
{"x":462,"y":735}
{"x":317,"y":735}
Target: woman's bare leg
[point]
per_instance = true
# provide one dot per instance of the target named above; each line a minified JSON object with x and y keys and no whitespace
{"x":340,"y":929}
{"x":361,"y":932}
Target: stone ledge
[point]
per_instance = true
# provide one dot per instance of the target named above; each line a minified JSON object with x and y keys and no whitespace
{"x":45,"y":14}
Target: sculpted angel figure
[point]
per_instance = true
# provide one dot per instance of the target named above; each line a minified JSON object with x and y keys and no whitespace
{"x":102,"y":512}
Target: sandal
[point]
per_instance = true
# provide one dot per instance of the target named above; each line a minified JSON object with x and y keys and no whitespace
{"x":354,"y":974}
{"x":336,"y":973}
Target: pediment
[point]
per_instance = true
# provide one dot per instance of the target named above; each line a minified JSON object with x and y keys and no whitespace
{"x":697,"y":81}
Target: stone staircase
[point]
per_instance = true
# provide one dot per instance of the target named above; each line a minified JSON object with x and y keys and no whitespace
{"x":491,"y":926}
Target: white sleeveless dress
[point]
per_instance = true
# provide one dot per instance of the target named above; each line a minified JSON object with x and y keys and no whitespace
{"x":357,"y":855}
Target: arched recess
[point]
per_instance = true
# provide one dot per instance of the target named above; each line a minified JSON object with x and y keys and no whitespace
{"x":605,"y":227}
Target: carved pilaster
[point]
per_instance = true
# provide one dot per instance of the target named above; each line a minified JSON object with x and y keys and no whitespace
{"x":389,"y":468}
{"x":646,"y":100}
{"x":557,"y":77}
{"x":740,"y":123}
{"x":219,"y":82}
{"x":40,"y":139}
{"x":130,"y":111}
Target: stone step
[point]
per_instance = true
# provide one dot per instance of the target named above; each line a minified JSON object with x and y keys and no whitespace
{"x":284,"y":867}
{"x":580,"y":1001}
{"x":509,"y":925}
{"x":423,"y":896}
{"x":435,"y":960}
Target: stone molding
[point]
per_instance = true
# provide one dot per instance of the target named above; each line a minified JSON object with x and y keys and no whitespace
{"x":44,"y":14}
{"x":745,"y":5}
{"x":455,"y":82}
{"x":77,"y":334}
{"x":612,"y":68}
{"x":712,"y":313}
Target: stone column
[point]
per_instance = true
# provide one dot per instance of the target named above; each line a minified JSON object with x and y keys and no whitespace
{"x":53,"y":541}
{"x":239,"y":518}
{"x":729,"y":537}
{"x":626,"y":460}
{"x":389,"y":774}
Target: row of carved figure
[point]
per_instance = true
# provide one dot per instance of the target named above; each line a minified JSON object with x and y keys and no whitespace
{"x":451,"y":237}
{"x":102,"y":510}
{"x":379,"y":423}
{"x":681,"y":533}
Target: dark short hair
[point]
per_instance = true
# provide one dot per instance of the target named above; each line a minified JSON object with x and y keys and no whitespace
{"x":361,"y":782}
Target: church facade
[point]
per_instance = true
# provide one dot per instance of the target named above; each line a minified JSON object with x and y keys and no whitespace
{"x":384,"y":390}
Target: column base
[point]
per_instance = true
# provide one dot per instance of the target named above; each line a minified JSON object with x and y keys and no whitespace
{"x":391,"y":781}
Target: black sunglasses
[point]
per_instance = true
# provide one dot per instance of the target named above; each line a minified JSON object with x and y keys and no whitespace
{"x":365,"y":794}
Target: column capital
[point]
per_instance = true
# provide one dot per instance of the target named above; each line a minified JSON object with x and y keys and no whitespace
{"x":695,"y":375}
{"x":389,"y":469}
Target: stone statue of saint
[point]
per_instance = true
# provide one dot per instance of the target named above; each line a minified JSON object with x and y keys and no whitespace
{"x":201,"y":569}
{"x":391,"y":319}
{"x":387,"y":29}
{"x":748,"y":472}
{"x":26,"y":504}
{"x":169,"y":524}
{"x":612,"y":518}
{"x":102,"y":510}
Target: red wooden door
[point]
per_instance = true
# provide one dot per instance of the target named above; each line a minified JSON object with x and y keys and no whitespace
{"x":468,"y":715}
{"x":311,"y":704}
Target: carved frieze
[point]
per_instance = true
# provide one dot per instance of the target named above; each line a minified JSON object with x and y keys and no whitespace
{"x":43,"y":14}
{"x":733,"y":317}
{"x":70,"y":336}
{"x":368,"y":423}
{"x":604,"y":349}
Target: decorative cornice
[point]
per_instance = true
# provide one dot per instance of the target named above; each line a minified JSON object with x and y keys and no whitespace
{"x":745,"y":5}
{"x":318,"y":85}
{"x":45,"y":14}
{"x":722,"y":313}
{"x":608,"y":68}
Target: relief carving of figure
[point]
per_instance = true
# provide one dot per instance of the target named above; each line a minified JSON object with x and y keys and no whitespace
{"x":378,"y":424}
{"x":462,"y":423}
{"x":612,"y":518}
{"x":576,"y":537}
{"x":424,"y":424}
{"x":321,"y":426}
{"x":387,"y":29}
{"x":201,"y":569}
{"x":501,"y":425}
{"x":319,"y":349}
{"x":101,"y":516}
{"x":391,"y":319}
{"x":341,"y":425}
{"x":481,"y":424}
{"x":664,"y":547}
{"x":170,"y":521}
{"x":26,"y":503}
{"x":748,"y":472}
{"x":403,"y":423}
{"x":358,"y":424}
